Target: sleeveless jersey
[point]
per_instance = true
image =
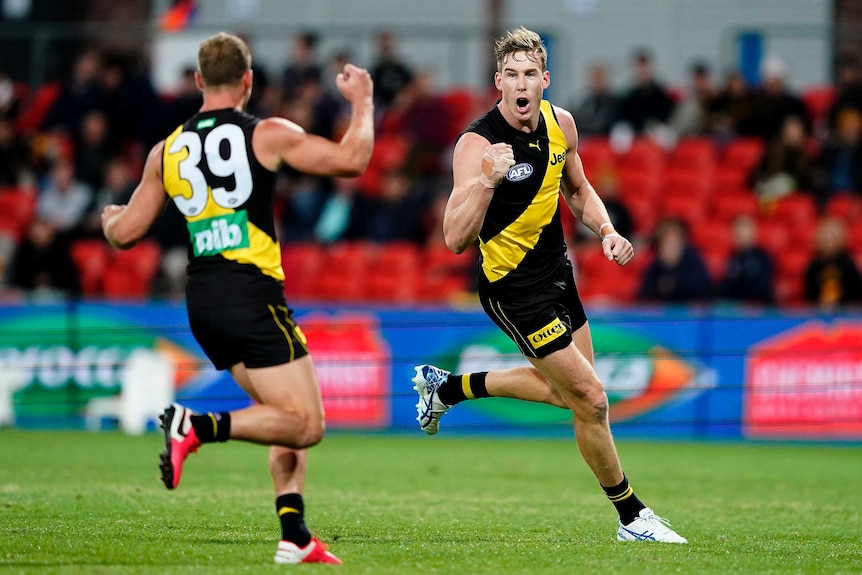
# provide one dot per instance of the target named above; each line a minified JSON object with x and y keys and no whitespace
{"x":521,"y":242}
{"x":210,"y":172}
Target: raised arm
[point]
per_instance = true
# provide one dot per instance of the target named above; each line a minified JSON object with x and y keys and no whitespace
{"x":124,"y":225}
{"x":277,"y":141}
{"x":583,"y":200}
{"x":477,"y":169}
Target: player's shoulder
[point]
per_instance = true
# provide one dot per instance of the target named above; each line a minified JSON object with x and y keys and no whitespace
{"x":563,"y":116}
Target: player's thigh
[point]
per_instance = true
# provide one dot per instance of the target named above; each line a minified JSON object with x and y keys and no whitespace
{"x":583,"y":340}
{"x":291,"y":386}
{"x":571,"y":374}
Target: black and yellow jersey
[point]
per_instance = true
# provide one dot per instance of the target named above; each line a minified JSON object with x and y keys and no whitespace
{"x":521,"y":242}
{"x":226,"y":196}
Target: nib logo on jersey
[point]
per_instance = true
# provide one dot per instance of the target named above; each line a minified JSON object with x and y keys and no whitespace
{"x":55,"y":362}
{"x":639,"y":375}
{"x":215,"y":235}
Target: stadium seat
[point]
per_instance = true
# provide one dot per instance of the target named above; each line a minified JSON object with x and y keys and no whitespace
{"x":817,"y":100}
{"x":846,"y":206}
{"x":798,"y":208}
{"x":730,"y":179}
{"x":130,"y":273}
{"x":694,"y":153}
{"x":743,"y":153}
{"x":773,"y":235}
{"x":17,"y":208}
{"x":638,"y":183}
{"x":712,"y":233}
{"x":687,"y":207}
{"x":698,"y":183}
{"x":302,"y":262}
{"x":596,"y":154}
{"x":789,"y":290}
{"x":91,"y":258}
{"x":644,"y":154}
{"x":726,"y":206}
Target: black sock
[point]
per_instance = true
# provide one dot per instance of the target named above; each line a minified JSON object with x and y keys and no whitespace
{"x":290,"y":509}
{"x":462,"y":387}
{"x":624,"y":499}
{"x":211,"y":427}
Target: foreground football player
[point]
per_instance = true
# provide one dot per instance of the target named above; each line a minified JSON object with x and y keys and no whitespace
{"x":509,"y":168}
{"x":219,"y":169}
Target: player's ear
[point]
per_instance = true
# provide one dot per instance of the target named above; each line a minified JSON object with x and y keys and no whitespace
{"x":199,"y":81}
{"x":546,"y":79}
{"x":497,"y":80}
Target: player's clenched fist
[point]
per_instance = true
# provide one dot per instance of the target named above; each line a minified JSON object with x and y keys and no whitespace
{"x":354,"y":83}
{"x":496,"y":162}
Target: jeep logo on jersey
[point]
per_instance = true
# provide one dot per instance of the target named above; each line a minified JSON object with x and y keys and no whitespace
{"x":215,"y":235}
{"x":519,"y":172}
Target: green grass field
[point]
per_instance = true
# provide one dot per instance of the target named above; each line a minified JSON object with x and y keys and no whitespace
{"x":80,"y":503}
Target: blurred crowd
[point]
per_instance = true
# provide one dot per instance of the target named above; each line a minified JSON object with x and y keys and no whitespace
{"x":71,"y":146}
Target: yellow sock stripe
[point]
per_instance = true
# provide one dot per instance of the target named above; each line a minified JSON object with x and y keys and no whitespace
{"x":286,"y":510}
{"x":215,"y":424}
{"x":624,"y":495}
{"x":465,"y":385}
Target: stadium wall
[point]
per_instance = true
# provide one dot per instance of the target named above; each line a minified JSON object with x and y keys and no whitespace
{"x":683,"y":373}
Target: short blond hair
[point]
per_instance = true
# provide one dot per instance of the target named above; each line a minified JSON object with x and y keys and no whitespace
{"x":521,"y":40}
{"x":223,"y":59}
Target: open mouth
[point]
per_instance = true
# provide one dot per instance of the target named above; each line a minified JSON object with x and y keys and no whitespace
{"x":522,"y":104}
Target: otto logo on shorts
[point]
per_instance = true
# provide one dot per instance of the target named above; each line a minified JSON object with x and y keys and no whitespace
{"x":215,"y":235}
{"x":547,"y":334}
{"x":519,"y":172}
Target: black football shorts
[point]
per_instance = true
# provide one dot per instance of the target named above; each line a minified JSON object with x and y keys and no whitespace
{"x":257,"y":334}
{"x":542,"y":321}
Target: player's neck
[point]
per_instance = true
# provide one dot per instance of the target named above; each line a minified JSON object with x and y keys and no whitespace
{"x":221,"y":99}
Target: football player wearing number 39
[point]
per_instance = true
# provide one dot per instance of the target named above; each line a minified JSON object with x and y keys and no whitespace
{"x":510,"y":167}
{"x":219,"y":168}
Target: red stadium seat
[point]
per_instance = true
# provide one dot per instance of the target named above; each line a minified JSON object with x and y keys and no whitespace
{"x":596,"y":155}
{"x":727,"y":206}
{"x":91,"y":259}
{"x":301,"y":262}
{"x":695,"y":153}
{"x":846,"y":206}
{"x":645,"y":154}
{"x":698,"y":183}
{"x":17,"y":207}
{"x":798,"y":208}
{"x":743,"y":153}
{"x":130,"y":273}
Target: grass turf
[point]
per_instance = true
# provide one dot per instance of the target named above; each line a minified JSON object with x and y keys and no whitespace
{"x":80,"y":503}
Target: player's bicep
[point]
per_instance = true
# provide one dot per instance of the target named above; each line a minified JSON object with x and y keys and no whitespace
{"x":466,"y":167}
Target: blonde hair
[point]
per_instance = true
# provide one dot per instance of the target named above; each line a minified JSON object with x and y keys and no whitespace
{"x":521,"y":40}
{"x":223,"y":59}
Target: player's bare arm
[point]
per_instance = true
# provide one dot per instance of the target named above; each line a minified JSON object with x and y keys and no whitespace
{"x":477,"y":169}
{"x":583,"y":200}
{"x":277,"y":140}
{"x":124,"y":225}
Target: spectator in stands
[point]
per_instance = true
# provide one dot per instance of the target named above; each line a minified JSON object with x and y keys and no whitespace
{"x":13,"y":155}
{"x":389,"y":72}
{"x":832,"y":278}
{"x":303,"y":63}
{"x":693,"y":115}
{"x":750,"y":271}
{"x":119,"y":183}
{"x":186,"y":102}
{"x":848,"y":89}
{"x":733,"y":108}
{"x":397,"y":215}
{"x":775,"y":102}
{"x":131,"y":102}
{"x":10,"y":103}
{"x":596,"y":112}
{"x":64,"y":201}
{"x":677,"y":274}
{"x":43,"y":263}
{"x":786,"y":165}
{"x":81,"y":93}
{"x":93,"y":150}
{"x":418,"y":114}
{"x":839,"y":167}
{"x":647,"y":105}
{"x":324,"y":108}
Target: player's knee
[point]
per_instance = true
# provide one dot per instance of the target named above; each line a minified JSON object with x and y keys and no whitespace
{"x":313,"y":431}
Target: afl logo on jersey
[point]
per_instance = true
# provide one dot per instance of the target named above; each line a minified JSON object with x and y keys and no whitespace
{"x":519,"y":172}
